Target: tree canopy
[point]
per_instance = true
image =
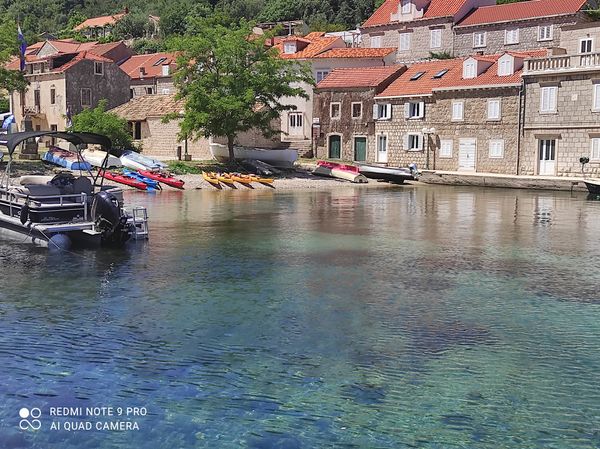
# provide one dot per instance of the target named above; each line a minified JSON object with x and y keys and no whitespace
{"x":232,"y":82}
{"x":99,"y":121}
{"x":9,"y":47}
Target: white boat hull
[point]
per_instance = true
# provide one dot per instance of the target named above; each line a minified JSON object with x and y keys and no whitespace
{"x":136,"y":161}
{"x":276,"y":158}
{"x":340,"y":174}
{"x":96,"y":158}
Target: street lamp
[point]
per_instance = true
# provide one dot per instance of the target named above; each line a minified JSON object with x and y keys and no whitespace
{"x":426,"y":133}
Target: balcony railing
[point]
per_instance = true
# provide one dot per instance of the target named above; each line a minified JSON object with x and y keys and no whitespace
{"x":562,"y":63}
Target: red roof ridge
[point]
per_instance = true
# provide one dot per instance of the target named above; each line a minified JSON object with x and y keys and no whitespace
{"x":356,"y":77}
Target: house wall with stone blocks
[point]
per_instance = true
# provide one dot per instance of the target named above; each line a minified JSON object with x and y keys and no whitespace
{"x":160,"y":140}
{"x":572,"y":125}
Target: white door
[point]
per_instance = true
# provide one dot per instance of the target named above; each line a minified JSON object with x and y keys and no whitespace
{"x":547,"y":157}
{"x":296,"y":124}
{"x":466,"y":154}
{"x":382,"y":155}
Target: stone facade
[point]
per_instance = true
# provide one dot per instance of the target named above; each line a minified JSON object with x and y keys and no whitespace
{"x":345,"y":126}
{"x":570,"y":38}
{"x":572,"y":126}
{"x":496,"y":35}
{"x":474,"y":125}
{"x":160,"y":140}
{"x":420,"y":40}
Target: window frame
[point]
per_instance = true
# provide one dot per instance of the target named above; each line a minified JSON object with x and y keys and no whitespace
{"x":469,"y":65}
{"x":376,"y":42}
{"x":406,"y":38}
{"x":289,"y":48}
{"x":419,"y":141}
{"x":590,"y":40}
{"x":96,"y":65}
{"x":356,"y":117}
{"x":52,"y":95}
{"x":443,"y":155}
{"x":550,"y":34}
{"x":319,"y":73}
{"x":383,"y":107}
{"x":554,"y":108}
{"x":415,"y":106}
{"x":490,"y":146}
{"x":339,"y":110}
{"x":462,"y":111}
{"x":479,"y":33}
{"x":82,"y":90}
{"x":438,"y":33}
{"x":405,"y":7}
{"x":509,"y":32}
{"x":595,"y":140}
{"x":491,"y":101}
{"x":596,"y":97}
{"x":378,"y":142}
{"x":296,"y":116}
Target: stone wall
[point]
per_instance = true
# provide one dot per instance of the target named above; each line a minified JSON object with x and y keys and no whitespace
{"x":495,"y":38}
{"x":420,"y":46}
{"x":571,"y":124}
{"x":438,"y":115}
{"x":160,"y":140}
{"x":50,"y":114}
{"x":570,"y":36}
{"x":346,"y":126}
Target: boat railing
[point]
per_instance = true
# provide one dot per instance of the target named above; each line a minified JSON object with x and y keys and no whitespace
{"x":17,"y":199}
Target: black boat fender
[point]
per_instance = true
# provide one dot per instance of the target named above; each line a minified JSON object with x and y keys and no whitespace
{"x":24,"y":214}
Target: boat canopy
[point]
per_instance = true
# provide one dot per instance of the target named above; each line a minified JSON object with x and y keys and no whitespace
{"x":11,"y":141}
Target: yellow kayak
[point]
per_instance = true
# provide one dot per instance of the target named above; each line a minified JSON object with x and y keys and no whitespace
{"x":262,"y":180}
{"x":242,"y":179}
{"x":212,"y":180}
{"x":224,"y":178}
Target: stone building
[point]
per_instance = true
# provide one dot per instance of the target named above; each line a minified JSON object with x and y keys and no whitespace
{"x":150,"y":74}
{"x":457,"y":114}
{"x":324,"y":54}
{"x":343,"y":111}
{"x":562,"y":115}
{"x":417,"y":28}
{"x":518,"y":26}
{"x":63,"y":83}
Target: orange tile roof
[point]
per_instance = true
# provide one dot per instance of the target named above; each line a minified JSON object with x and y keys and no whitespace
{"x":140,"y":108}
{"x":436,"y":9}
{"x":359,"y":77}
{"x":318,"y":43}
{"x":99,"y":21}
{"x":521,"y":11}
{"x":426,"y":84}
{"x":84,"y":55}
{"x":132,"y":65}
{"x":356,"y":53}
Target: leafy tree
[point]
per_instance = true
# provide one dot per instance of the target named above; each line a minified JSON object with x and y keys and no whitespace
{"x":4,"y":104}
{"x":99,"y":121}
{"x":133,"y":25}
{"x":231,"y":81}
{"x":10,"y":80}
{"x":144,"y":46}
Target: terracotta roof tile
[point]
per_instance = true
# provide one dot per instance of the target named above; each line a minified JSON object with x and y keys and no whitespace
{"x":426,"y":83}
{"x":84,"y":55}
{"x":359,"y":77}
{"x":318,"y":44}
{"x":99,"y":21}
{"x":132,"y":65}
{"x":521,"y":11}
{"x":356,"y":53}
{"x":141,"y":108}
{"x":436,"y":9}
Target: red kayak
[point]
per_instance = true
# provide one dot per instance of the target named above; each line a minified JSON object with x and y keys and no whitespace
{"x":344,"y":167}
{"x":163,"y":177}
{"x":123,"y":179}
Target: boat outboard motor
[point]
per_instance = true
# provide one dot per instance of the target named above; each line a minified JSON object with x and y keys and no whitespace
{"x":414,"y":169}
{"x":106,"y":211}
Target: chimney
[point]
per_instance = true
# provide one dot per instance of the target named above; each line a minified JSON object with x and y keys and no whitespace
{"x":142,"y":72}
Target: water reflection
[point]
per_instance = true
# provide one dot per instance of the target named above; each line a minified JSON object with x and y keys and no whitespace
{"x":410,"y":317}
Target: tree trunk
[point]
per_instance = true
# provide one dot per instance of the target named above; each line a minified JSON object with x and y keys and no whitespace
{"x":230,"y":139}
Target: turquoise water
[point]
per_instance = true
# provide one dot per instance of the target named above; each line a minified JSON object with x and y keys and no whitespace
{"x":380,"y":318}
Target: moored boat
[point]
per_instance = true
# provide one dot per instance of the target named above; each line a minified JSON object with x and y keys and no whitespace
{"x":99,"y":158}
{"x":151,"y":183}
{"x":393,"y":174}
{"x":340,"y":171}
{"x":123,"y":179}
{"x":225,"y":178}
{"x":137,"y":161}
{"x":593,"y":186}
{"x":66,"y":158}
{"x":163,"y":177}
{"x":212,"y":180}
{"x":284,"y":158}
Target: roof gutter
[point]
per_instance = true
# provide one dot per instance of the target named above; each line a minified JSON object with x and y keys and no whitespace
{"x":516,"y":20}
{"x":403,"y":96}
{"x":485,"y":86}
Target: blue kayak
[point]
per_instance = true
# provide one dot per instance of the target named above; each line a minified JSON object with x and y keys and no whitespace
{"x":151,"y":183}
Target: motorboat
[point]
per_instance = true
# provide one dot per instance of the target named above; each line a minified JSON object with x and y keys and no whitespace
{"x":278,"y":158}
{"x":99,"y":158}
{"x":593,"y":186}
{"x":66,"y":210}
{"x":137,"y":161}
{"x":66,"y":158}
{"x":392,"y":174}
{"x":340,"y":171}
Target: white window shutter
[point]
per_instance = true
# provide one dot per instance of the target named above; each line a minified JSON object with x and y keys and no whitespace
{"x":421,"y":109}
{"x":596,"y":96}
{"x":375,"y":111}
{"x":405,"y":141}
{"x":421,"y":141}
{"x":407,"y":109}
{"x":388,"y":111}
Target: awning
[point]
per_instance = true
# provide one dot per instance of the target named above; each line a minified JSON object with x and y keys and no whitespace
{"x":11,"y":141}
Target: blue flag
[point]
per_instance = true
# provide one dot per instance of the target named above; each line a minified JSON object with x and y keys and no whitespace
{"x":22,"y":47}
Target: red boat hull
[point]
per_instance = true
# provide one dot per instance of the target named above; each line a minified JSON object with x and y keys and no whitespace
{"x":168,"y":180}
{"x":332,"y":165}
{"x":122,"y":179}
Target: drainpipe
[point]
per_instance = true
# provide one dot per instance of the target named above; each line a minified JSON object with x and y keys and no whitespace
{"x":521,"y":125}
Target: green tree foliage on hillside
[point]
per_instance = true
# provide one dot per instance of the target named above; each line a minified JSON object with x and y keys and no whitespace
{"x":230,"y":82}
{"x":9,"y":47}
{"x":98,"y":121}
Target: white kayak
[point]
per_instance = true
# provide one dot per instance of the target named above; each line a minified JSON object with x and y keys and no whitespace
{"x":277,"y":158}
{"x":136,"y":161}
{"x":96,"y":158}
